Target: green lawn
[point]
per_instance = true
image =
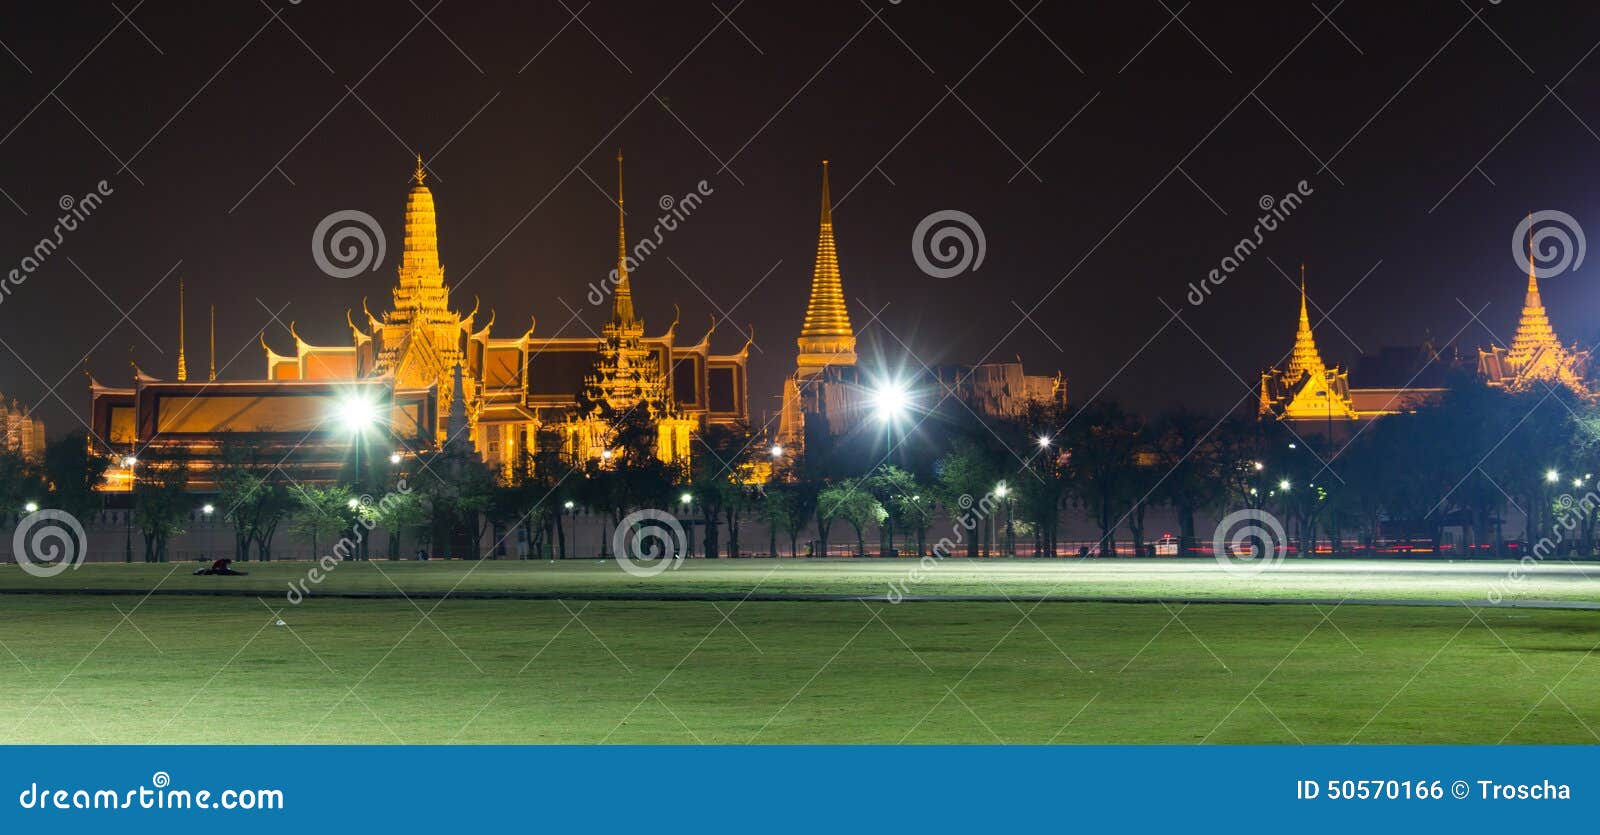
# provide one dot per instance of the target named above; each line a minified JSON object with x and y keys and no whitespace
{"x":1470,"y":581}
{"x":216,"y":670}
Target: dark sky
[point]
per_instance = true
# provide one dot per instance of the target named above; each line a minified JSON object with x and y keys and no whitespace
{"x":243,"y":135}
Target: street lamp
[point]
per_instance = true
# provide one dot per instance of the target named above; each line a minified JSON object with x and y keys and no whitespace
{"x":889,"y":401}
{"x":129,"y":461}
{"x":1284,"y":484}
{"x":394,"y":458}
{"x":777,"y":450}
{"x":1044,"y":441}
{"x":353,"y":503}
{"x":1259,"y":466}
{"x":31,"y":507}
{"x":686,"y":498}
{"x":1552,"y":476}
{"x":208,"y":508}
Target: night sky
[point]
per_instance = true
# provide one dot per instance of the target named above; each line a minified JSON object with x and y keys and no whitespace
{"x":239,"y":132}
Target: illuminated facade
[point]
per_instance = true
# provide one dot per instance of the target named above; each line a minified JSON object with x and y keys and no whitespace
{"x":1309,"y":393}
{"x":1535,"y":355}
{"x":21,"y":432}
{"x":440,"y":377}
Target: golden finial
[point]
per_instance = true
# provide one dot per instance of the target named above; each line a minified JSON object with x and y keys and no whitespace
{"x":213,"y":374}
{"x":421,"y":174}
{"x":183,"y":366}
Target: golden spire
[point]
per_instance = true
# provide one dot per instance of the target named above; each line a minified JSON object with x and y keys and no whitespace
{"x":622,"y":304}
{"x":419,"y":261}
{"x":212,"y":377}
{"x":826,"y":338}
{"x":183,"y":366}
{"x":1534,"y":333}
{"x":1305,"y":356}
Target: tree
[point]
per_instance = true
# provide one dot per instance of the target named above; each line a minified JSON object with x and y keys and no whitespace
{"x":788,"y":507}
{"x":322,"y":511}
{"x":20,"y":482}
{"x":963,"y":477}
{"x":1104,"y":442}
{"x":254,"y":495}
{"x":899,"y":494}
{"x":161,"y":503}
{"x":75,"y":472}
{"x":851,"y":501}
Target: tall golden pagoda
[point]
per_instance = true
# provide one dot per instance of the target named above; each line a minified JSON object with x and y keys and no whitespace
{"x":826,"y":338}
{"x":827,"y":341}
{"x":1308,"y":389}
{"x":1536,"y":352}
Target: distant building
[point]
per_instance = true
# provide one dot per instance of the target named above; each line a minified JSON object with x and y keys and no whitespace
{"x":828,"y":394}
{"x":1311,"y":395}
{"x":1535,"y":355}
{"x":21,"y":432}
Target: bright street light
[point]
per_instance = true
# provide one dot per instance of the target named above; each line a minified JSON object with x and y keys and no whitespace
{"x":1284,"y":484}
{"x":889,"y":401}
{"x":686,"y":498}
{"x":394,"y":458}
{"x":570,"y":505}
{"x":129,"y":461}
{"x":777,"y":450}
{"x":357,"y":413}
{"x":1000,"y":490}
{"x":1552,"y":476}
{"x":1260,"y":466}
{"x":1044,"y":441}
{"x":353,"y":503}
{"x":605,"y":454}
{"x":31,"y":507}
{"x":208,"y":509}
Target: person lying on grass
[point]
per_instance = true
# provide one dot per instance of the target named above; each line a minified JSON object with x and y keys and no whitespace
{"x":221,"y":568}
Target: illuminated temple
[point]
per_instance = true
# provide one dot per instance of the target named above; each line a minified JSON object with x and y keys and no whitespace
{"x":440,"y":377}
{"x":828,"y":393}
{"x":1311,"y":395}
{"x":1535,"y":355}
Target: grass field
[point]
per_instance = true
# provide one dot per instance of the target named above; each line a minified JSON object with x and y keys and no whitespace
{"x":186,"y":669}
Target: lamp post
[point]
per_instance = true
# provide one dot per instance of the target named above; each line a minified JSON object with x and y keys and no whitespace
{"x":1003,"y":492}
{"x":358,"y":415}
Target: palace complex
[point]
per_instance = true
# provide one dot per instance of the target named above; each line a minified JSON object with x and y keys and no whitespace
{"x":428,"y":376}
{"x":1311,"y":395}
